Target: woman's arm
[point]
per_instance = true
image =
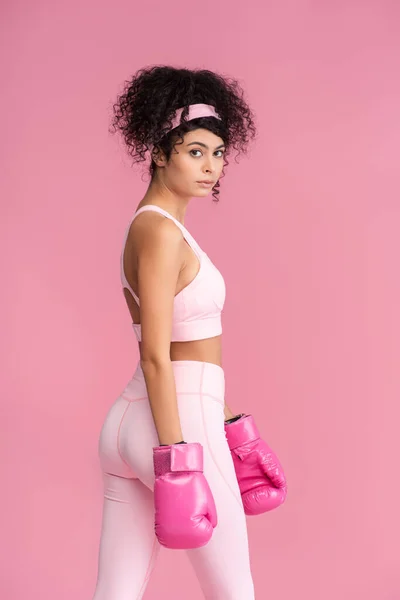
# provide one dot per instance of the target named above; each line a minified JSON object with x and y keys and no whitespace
{"x":160,"y":259}
{"x":160,"y":383}
{"x":228,"y":413}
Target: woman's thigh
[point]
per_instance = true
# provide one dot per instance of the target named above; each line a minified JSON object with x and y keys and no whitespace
{"x":128,"y":547}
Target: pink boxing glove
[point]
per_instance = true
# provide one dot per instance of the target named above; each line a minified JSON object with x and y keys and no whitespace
{"x":260,"y":476}
{"x":185,"y":512}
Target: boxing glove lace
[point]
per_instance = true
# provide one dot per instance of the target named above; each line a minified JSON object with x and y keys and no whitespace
{"x":185,"y":512}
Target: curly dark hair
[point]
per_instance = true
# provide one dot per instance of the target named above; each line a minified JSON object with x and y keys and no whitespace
{"x":145,"y":108}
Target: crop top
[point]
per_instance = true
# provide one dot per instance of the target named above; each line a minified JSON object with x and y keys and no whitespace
{"x":198,"y":306}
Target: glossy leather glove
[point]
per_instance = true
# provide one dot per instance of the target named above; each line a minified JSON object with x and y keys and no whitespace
{"x":185,"y":512}
{"x":260,"y":476}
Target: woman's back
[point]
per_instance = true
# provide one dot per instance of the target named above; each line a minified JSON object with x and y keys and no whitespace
{"x":199,"y":292}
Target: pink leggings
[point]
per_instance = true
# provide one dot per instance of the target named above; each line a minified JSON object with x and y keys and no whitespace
{"x":128,"y":546}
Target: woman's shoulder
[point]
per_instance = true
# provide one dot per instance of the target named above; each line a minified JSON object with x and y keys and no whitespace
{"x":151,"y":227}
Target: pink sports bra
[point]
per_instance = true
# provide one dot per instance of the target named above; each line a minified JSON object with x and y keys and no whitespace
{"x":198,"y":306}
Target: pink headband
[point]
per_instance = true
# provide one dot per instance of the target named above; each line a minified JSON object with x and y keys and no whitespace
{"x":195,"y":111}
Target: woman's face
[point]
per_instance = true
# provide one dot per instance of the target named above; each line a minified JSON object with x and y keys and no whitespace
{"x":199,"y":158}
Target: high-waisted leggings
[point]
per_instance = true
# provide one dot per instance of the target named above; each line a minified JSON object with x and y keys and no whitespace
{"x":128,"y":545}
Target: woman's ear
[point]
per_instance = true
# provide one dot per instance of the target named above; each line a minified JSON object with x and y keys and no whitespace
{"x":158,"y":156}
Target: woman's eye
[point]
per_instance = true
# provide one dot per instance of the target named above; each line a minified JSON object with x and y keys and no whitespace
{"x":200,"y":151}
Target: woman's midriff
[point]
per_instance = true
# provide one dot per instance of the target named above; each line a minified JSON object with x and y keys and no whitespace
{"x":208,"y":350}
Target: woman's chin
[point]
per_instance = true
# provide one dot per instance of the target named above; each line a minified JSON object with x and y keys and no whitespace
{"x":200,"y":193}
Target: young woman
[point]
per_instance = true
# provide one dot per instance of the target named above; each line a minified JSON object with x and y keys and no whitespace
{"x":180,"y":469}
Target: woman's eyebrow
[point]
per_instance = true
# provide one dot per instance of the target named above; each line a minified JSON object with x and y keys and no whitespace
{"x":205,"y":145}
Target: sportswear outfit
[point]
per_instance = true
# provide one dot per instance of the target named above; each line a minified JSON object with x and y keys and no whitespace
{"x":194,"y":495}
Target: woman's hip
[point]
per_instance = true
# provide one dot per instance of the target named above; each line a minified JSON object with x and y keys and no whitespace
{"x":191,"y":377}
{"x":200,"y":389}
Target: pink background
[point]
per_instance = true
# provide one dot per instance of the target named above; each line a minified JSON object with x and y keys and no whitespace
{"x":306,"y":234}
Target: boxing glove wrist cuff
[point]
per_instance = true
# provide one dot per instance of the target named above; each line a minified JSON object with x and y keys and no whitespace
{"x":182,"y":442}
{"x":242,"y":431}
{"x":177,"y":458}
{"x":233,"y":419}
